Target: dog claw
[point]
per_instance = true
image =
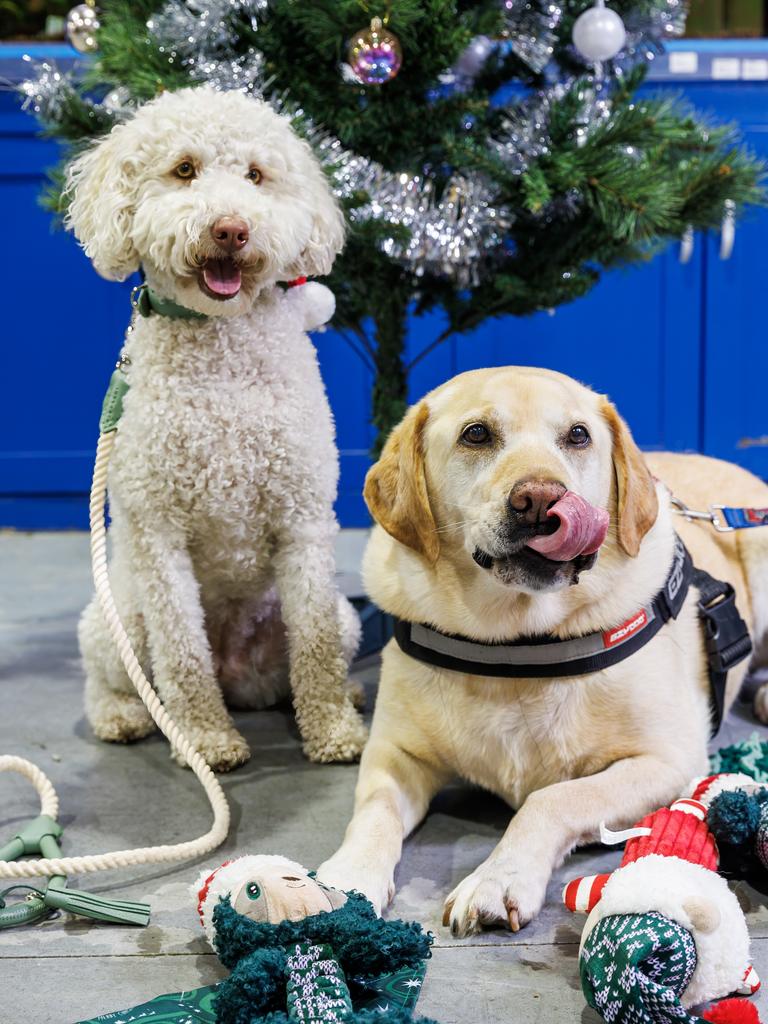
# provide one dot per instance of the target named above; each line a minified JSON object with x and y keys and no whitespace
{"x":447,"y":914}
{"x":514,"y":919}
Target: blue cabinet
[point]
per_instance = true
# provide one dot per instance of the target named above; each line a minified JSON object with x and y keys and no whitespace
{"x":678,"y":346}
{"x":735,"y":346}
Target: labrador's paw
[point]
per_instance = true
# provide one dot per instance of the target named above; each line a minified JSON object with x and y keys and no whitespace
{"x":344,"y":874}
{"x":223,"y":749}
{"x":500,"y":892}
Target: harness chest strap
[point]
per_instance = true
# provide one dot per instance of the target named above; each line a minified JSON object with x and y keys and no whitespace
{"x":726,"y":638}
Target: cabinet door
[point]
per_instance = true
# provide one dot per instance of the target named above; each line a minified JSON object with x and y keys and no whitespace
{"x":348,"y":383}
{"x":63,"y":327}
{"x":735,"y":377}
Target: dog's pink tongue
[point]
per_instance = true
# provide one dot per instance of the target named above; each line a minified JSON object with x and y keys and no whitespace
{"x":223,"y":277}
{"x":581,"y":531}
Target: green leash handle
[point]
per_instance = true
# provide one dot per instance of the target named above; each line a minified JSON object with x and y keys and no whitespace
{"x":41,"y":837}
{"x":32,"y":909}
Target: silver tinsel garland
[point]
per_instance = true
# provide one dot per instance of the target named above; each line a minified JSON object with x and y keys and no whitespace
{"x":202,"y":34}
{"x":531,"y":27}
{"x":46,"y":93}
{"x":523,"y":135}
{"x":647,"y":32}
{"x":455,"y":236}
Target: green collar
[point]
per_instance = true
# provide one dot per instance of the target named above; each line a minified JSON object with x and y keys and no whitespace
{"x":147,"y":301}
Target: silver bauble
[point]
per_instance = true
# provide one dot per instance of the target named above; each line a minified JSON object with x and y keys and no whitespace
{"x":471,"y":61}
{"x":81,"y":27}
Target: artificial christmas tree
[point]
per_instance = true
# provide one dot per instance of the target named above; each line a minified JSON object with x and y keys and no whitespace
{"x":493,"y":157}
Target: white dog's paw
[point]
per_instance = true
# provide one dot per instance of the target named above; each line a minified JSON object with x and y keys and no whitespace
{"x":223,"y":749}
{"x":760,"y":704}
{"x":119,"y":718}
{"x":499,"y":892}
{"x":337,"y":736}
{"x":344,"y":875}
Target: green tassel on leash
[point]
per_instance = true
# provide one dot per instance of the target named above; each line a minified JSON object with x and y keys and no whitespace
{"x":41,"y":837}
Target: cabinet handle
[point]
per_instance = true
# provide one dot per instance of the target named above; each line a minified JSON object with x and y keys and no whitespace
{"x":728,"y":230}
{"x":686,"y":245}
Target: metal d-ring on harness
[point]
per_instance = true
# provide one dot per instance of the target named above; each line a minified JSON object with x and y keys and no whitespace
{"x":40,"y":837}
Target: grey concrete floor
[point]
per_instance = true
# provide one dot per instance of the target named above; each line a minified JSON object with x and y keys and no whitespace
{"x":115,"y":797}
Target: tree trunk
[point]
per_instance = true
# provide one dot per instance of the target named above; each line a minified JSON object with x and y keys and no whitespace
{"x":390,"y":388}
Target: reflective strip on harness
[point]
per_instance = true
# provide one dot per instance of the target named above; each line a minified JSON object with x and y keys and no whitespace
{"x":560,"y":653}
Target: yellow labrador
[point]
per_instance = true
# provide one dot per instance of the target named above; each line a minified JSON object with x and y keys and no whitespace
{"x":475,"y":467}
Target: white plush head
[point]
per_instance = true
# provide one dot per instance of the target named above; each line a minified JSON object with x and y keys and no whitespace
{"x":697,"y":899}
{"x":212,"y":193}
{"x":263,"y":887}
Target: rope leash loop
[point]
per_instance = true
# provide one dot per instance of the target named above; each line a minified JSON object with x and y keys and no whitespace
{"x":57,"y":866}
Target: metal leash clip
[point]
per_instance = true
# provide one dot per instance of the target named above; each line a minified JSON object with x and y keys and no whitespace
{"x":714,"y":515}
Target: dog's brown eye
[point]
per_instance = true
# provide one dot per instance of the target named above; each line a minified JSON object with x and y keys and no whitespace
{"x":185,"y":170}
{"x":254,"y":175}
{"x":578,"y":436}
{"x":476,"y":433}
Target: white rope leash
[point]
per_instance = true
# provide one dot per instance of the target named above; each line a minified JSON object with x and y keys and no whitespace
{"x":49,"y":801}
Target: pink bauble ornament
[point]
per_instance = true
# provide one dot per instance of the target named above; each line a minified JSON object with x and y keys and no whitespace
{"x":375,"y":54}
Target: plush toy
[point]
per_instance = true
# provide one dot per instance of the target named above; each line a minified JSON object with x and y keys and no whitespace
{"x":296,"y":948}
{"x":664,"y":931}
{"x":737,"y":815}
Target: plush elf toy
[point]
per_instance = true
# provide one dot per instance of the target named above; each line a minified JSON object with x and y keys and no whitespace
{"x":664,"y":931}
{"x":295,"y":947}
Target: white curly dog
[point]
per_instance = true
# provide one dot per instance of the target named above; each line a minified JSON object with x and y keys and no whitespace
{"x":225,"y":468}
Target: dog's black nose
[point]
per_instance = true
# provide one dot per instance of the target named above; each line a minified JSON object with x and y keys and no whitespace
{"x":230,"y":233}
{"x":531,"y":499}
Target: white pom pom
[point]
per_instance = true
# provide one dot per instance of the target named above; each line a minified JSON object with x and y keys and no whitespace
{"x":315,"y":304}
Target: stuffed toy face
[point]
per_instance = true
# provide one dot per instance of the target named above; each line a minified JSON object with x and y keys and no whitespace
{"x":264,"y":888}
{"x":274,"y":893}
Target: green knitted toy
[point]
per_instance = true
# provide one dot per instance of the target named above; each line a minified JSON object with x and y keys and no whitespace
{"x":301,"y":953}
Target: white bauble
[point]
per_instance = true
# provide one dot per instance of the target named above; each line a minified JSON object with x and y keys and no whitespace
{"x":599,"y":33}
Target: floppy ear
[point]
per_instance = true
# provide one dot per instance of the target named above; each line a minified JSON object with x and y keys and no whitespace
{"x":396,"y":487}
{"x":637,"y":504}
{"x":328,"y":226}
{"x":100,"y":190}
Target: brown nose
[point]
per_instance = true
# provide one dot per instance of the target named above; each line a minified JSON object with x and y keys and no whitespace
{"x":230,"y":233}
{"x":531,"y":499}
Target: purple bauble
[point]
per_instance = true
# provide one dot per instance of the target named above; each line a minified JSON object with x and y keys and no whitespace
{"x":374,"y":54}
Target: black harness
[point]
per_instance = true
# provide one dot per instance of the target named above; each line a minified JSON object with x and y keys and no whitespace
{"x":726,"y":638}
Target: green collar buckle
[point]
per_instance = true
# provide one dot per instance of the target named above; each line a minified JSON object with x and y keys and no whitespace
{"x":146,"y":301}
